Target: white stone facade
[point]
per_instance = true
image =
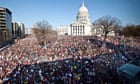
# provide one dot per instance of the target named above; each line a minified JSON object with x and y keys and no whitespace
{"x":82,"y":26}
{"x":63,"y":30}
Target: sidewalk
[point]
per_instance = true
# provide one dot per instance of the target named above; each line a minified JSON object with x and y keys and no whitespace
{"x":4,"y":47}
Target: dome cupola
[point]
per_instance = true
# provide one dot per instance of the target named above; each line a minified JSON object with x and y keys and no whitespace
{"x":83,"y":8}
{"x":83,"y":15}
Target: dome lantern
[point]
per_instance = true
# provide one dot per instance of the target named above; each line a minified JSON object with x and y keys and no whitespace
{"x":83,"y":8}
{"x":83,"y":15}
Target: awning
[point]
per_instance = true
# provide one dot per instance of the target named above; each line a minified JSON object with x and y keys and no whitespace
{"x":130,"y":69}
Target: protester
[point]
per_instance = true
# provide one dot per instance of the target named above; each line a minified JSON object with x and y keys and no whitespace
{"x":70,"y":60}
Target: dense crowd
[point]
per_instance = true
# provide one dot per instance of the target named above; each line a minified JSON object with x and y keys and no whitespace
{"x":70,"y":60}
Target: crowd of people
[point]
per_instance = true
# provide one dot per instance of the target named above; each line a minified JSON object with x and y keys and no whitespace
{"x":69,"y":60}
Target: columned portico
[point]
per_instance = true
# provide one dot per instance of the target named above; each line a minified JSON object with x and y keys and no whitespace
{"x":77,"y":30}
{"x":82,"y":26}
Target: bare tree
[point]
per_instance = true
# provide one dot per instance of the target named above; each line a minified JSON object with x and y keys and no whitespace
{"x":42,"y":30}
{"x":108,"y":24}
{"x":131,"y":31}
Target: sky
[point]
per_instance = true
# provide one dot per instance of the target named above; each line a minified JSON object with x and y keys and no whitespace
{"x":64,"y":12}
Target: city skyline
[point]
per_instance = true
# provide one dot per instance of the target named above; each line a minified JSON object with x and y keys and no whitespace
{"x":58,"y":12}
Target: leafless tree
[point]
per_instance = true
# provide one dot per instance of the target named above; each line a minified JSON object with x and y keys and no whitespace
{"x":131,"y":31}
{"x":107,"y":24}
{"x":42,"y":30}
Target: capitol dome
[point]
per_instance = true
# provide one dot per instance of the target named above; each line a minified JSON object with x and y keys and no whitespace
{"x":83,"y":8}
{"x":83,"y":15}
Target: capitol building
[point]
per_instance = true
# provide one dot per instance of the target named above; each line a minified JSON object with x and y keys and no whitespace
{"x":82,"y":26}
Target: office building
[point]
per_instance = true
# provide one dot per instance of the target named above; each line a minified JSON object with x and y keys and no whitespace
{"x":5,"y":24}
{"x":18,"y":29}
